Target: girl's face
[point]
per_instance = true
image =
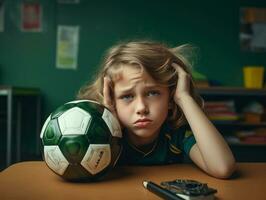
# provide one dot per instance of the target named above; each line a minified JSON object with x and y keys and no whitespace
{"x":141,"y":104}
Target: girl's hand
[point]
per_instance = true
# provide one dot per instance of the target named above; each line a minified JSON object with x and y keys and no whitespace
{"x":107,"y":98}
{"x":183,"y":84}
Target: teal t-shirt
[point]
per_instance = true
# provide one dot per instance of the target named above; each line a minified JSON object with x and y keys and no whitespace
{"x":170,"y":147}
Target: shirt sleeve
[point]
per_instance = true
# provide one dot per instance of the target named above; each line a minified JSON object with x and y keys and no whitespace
{"x":188,"y":141}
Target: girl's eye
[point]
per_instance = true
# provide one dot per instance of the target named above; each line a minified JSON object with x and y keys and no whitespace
{"x":153,"y":93}
{"x":127,"y":97}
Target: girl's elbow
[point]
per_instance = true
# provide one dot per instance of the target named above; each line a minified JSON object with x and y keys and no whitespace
{"x":225,"y":171}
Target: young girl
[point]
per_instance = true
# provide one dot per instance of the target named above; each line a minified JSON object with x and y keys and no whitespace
{"x":149,"y":88}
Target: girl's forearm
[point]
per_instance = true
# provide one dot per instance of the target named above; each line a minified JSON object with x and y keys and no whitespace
{"x":212,"y":146}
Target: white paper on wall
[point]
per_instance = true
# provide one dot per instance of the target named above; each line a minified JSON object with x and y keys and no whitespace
{"x":67,"y":47}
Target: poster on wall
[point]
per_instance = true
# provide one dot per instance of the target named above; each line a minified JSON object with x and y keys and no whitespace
{"x":67,"y":47}
{"x":253,"y":29}
{"x":31,"y":17}
{"x":2,"y":20}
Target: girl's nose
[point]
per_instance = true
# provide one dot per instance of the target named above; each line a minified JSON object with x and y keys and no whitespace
{"x":142,"y":107}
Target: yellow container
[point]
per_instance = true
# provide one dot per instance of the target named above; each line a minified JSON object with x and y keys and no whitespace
{"x":253,"y":76}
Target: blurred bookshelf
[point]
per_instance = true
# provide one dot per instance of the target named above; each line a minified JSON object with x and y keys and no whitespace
{"x":240,"y":115}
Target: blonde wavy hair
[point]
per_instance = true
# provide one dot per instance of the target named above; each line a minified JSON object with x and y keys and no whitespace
{"x":156,"y":59}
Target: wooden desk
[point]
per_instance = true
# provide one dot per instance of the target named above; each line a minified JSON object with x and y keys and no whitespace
{"x":33,"y":180}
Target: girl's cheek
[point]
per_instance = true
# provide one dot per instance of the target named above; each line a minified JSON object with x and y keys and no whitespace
{"x":120,"y":115}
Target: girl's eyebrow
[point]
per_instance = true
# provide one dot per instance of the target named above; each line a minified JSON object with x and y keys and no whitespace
{"x":125,"y":90}
{"x":129,"y":89}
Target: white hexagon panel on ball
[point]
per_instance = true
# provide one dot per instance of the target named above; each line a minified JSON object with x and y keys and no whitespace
{"x":74,"y":121}
{"x":97,"y":157}
{"x":112,"y":123}
{"x":55,"y":159}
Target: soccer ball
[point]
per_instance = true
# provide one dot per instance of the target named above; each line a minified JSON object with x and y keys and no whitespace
{"x":81,"y":140}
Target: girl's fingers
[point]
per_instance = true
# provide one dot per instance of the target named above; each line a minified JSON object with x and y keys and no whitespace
{"x":182,"y":74}
{"x":179,"y":69}
{"x":183,"y":82}
{"x":107,"y":100}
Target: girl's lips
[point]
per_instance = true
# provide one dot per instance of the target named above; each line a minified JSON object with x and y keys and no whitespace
{"x":143,"y":123}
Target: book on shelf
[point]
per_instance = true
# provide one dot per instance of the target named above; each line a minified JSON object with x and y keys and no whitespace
{"x":255,"y":139}
{"x":256,"y":136}
{"x":221,"y":110}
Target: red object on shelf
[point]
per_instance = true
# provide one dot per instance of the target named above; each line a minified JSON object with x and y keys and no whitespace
{"x":254,"y":139}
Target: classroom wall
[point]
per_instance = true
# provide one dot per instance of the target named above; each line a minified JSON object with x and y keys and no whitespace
{"x":28,"y":59}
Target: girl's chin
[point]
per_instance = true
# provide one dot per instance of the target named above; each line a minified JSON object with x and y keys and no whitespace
{"x":143,"y":134}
